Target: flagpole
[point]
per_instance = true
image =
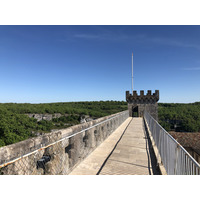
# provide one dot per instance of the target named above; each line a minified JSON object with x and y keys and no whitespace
{"x":132,"y":72}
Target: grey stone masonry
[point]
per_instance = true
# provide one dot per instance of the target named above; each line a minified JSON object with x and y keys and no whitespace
{"x":140,"y":103}
{"x":59,"y":151}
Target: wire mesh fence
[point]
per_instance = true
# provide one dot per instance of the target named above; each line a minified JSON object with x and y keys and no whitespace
{"x":58,"y":152}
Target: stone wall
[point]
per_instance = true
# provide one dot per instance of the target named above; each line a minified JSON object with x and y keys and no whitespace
{"x":60,"y":151}
{"x":143,"y":102}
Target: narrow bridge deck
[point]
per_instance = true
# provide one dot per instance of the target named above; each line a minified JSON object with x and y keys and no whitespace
{"x":124,"y":152}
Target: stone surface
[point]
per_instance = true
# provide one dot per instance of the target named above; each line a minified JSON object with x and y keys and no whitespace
{"x":140,"y":103}
{"x":46,"y":116}
{"x":129,"y":156}
{"x":92,"y":164}
{"x":66,"y":147}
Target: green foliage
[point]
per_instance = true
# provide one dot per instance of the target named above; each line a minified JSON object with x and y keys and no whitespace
{"x":94,"y":107}
{"x":180,"y":117}
{"x":2,"y":143}
{"x":15,"y":126}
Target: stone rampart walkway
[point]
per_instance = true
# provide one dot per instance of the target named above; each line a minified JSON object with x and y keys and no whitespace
{"x":124,"y":152}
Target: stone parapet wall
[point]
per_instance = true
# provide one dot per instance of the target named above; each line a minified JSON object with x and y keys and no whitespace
{"x":60,"y":151}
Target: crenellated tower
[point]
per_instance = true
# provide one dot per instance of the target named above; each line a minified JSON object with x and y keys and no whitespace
{"x":138,"y":103}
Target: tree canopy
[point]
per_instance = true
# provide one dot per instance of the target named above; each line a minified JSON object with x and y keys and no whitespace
{"x":15,"y":126}
{"x":180,"y":117}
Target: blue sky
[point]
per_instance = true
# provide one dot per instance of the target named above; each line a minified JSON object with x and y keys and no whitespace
{"x":90,"y":63}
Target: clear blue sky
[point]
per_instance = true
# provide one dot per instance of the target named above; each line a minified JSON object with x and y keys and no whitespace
{"x":88,"y":63}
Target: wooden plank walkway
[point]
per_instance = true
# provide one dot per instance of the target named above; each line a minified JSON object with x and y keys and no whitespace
{"x":124,"y":152}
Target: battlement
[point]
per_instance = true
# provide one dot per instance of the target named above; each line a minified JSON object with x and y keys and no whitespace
{"x":137,"y":104}
{"x":149,"y":97}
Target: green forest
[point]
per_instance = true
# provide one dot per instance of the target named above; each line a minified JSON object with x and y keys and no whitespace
{"x":16,"y":126}
{"x":179,"y":117}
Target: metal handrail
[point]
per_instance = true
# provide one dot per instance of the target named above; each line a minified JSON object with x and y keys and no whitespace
{"x":175,"y":159}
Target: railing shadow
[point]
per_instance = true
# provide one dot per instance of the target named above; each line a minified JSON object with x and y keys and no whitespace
{"x":152,"y":160}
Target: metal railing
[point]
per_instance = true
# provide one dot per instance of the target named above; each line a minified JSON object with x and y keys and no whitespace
{"x":60,"y":156}
{"x":175,"y":159}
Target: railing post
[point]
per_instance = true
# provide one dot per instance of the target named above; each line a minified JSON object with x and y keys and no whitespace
{"x":176,"y":160}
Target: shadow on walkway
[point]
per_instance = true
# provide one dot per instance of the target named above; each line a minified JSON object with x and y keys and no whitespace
{"x":152,"y":161}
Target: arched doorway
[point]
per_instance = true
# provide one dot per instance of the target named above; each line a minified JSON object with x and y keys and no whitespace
{"x":135,"y":112}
